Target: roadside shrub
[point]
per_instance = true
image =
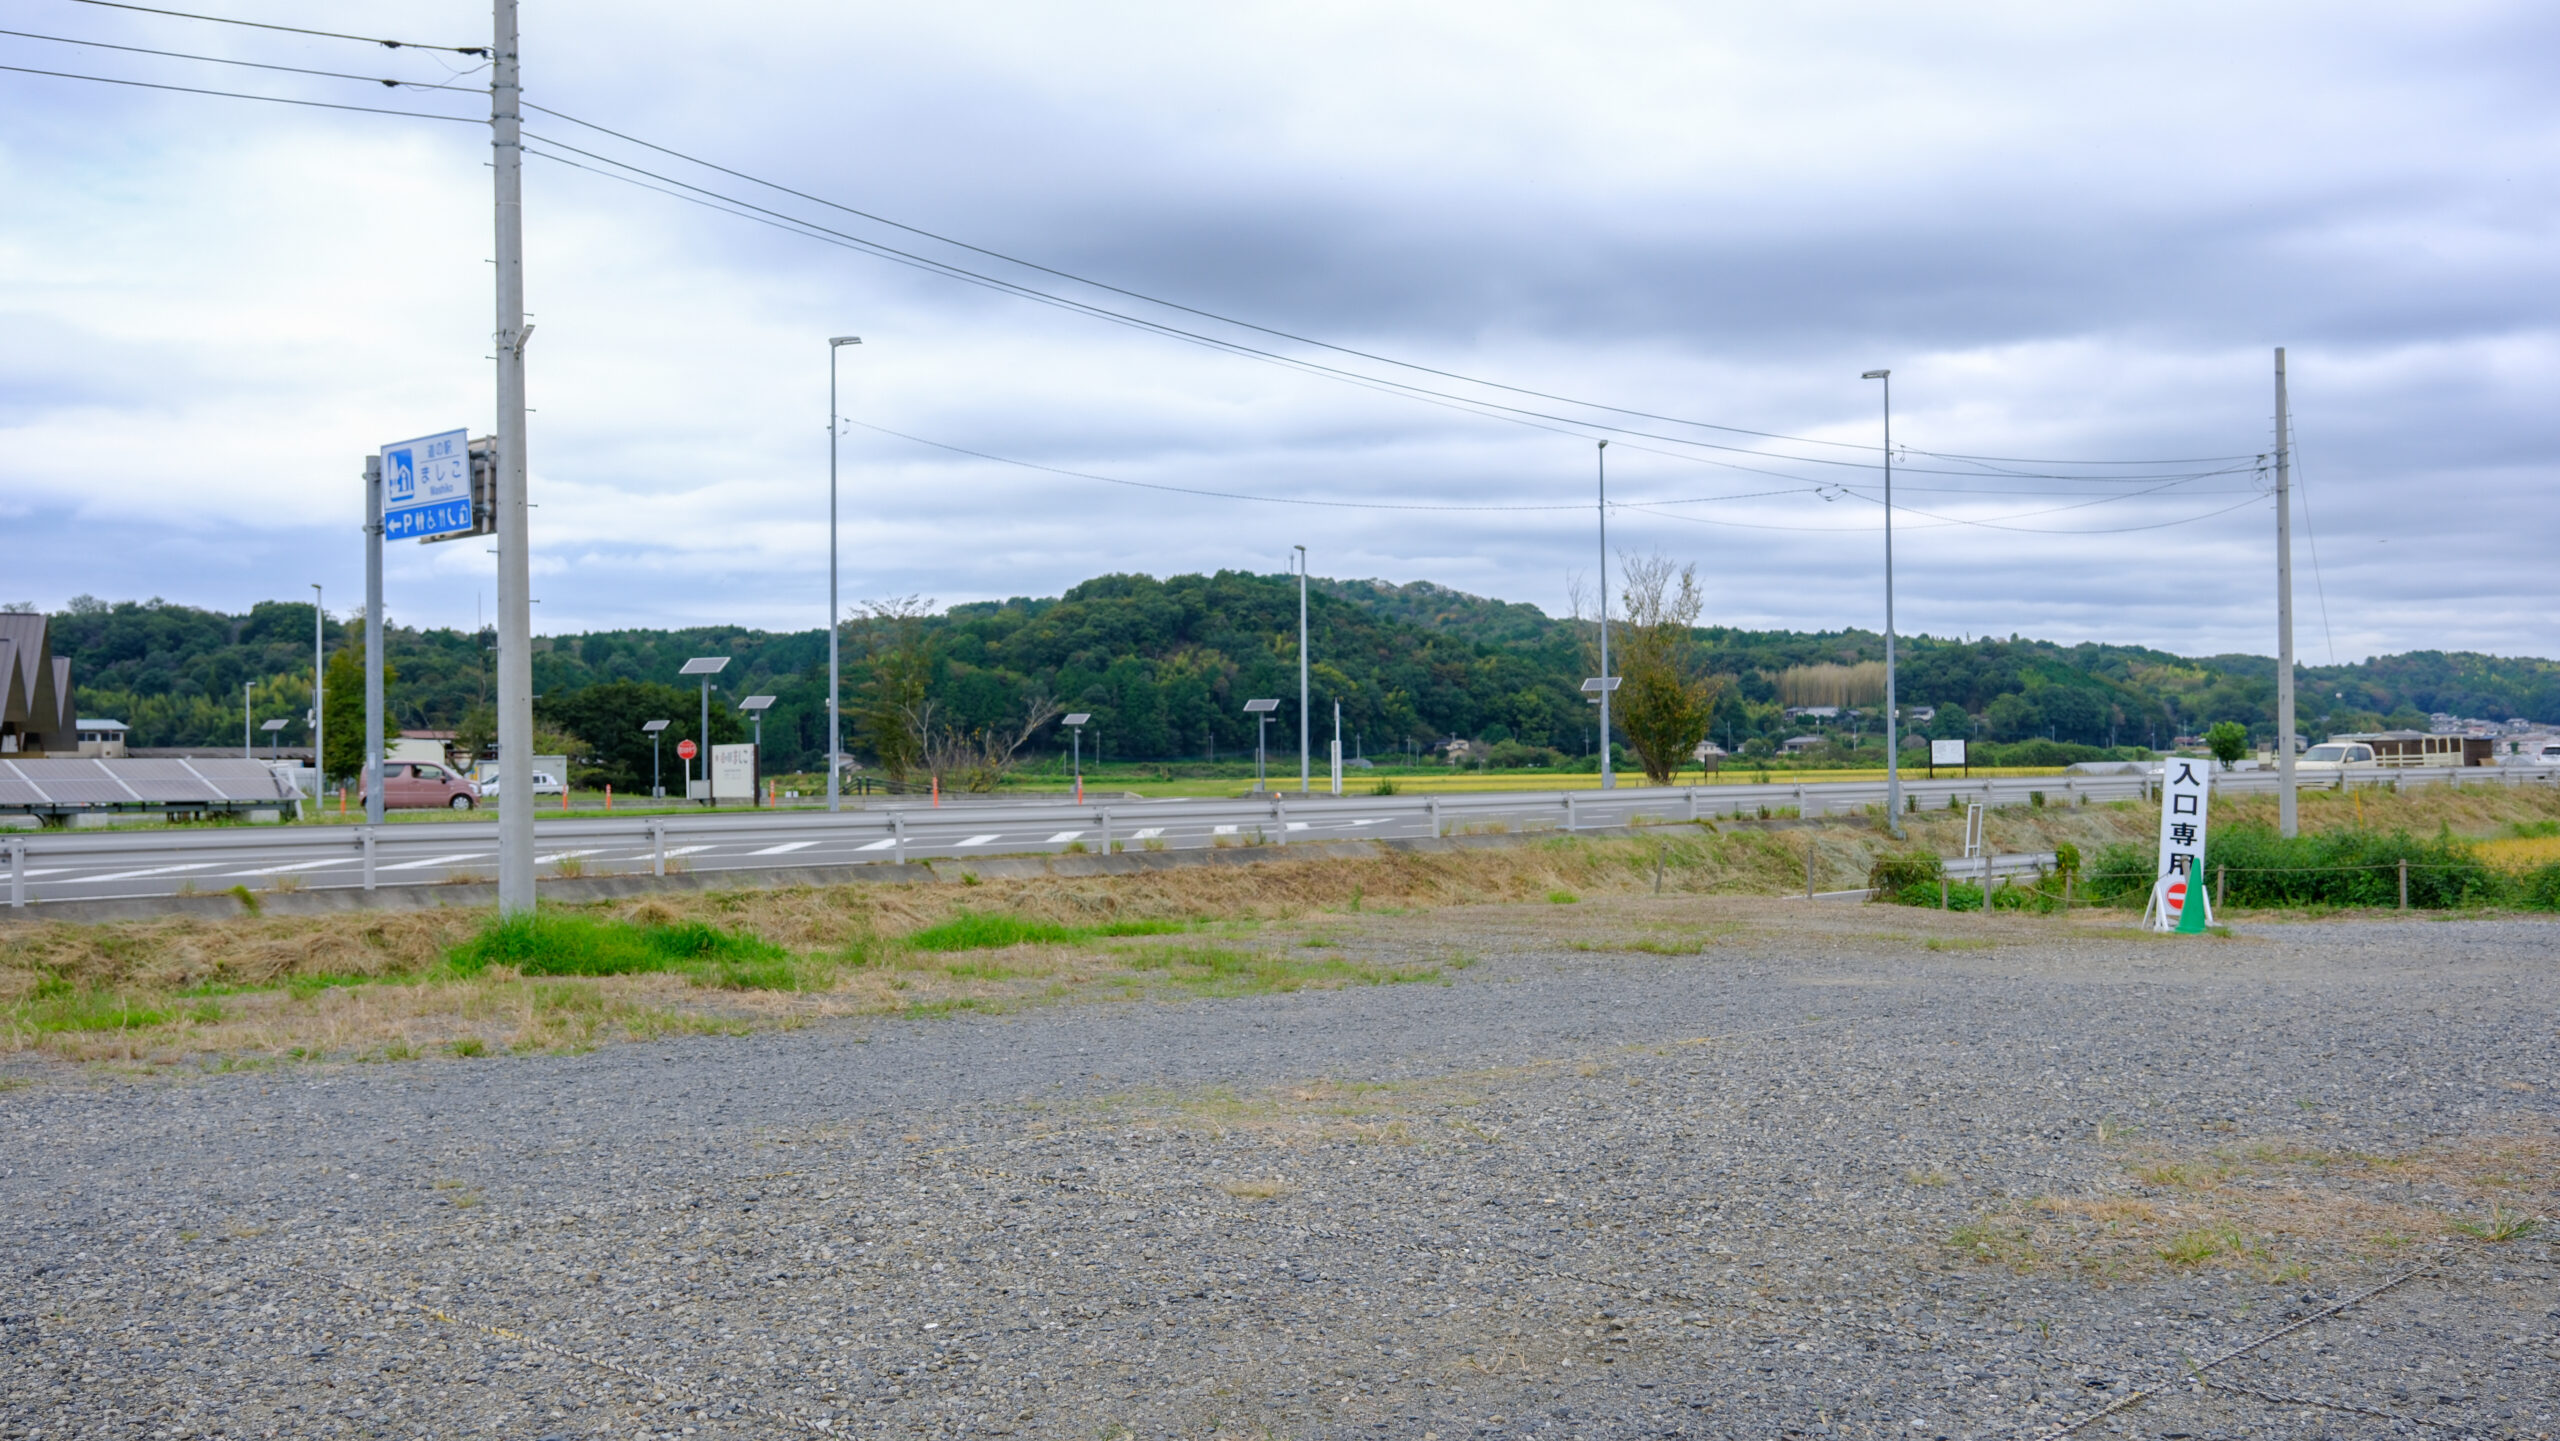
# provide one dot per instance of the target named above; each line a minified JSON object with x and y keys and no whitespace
{"x":2123,"y":870}
{"x":2538,"y":888}
{"x":2348,"y":868}
{"x":1892,"y":875}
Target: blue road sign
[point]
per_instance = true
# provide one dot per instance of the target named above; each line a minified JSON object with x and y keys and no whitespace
{"x":426,"y":486}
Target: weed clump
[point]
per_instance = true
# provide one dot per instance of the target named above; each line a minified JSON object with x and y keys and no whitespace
{"x":994,"y":930}
{"x":548,"y":943}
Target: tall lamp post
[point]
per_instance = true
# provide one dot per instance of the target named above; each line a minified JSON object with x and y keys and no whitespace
{"x":705,"y":666}
{"x":1892,"y":741}
{"x":1261,"y":711}
{"x":755,"y":706}
{"x":1605,"y":682}
{"x":655,"y":728}
{"x":835,"y":674}
{"x":1075,"y":725}
{"x":1302,"y":668}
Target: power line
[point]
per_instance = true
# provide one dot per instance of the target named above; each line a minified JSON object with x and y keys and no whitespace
{"x":1494,"y":409}
{"x":480,"y":50}
{"x":1290,"y":335}
{"x":251,"y":64}
{"x":2293,"y":436}
{"x":1284,"y":499}
{"x":242,"y":95}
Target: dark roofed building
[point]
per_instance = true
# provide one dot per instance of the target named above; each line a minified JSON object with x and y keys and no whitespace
{"x":36,"y":711}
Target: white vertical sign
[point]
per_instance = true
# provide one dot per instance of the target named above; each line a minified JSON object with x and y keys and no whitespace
{"x":2186,"y":786}
{"x":733,"y":773}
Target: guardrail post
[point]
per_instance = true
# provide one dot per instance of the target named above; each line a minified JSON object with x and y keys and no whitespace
{"x":1433,"y":806}
{"x":364,"y":840}
{"x":17,"y":873}
{"x":658,"y":848}
{"x":898,"y":834}
{"x":1105,"y":813}
{"x":1693,"y":803}
{"x":1279,"y":823}
{"x":1571,"y":821}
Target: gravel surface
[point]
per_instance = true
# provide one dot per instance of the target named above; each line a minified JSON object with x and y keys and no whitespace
{"x":1746,"y":1168}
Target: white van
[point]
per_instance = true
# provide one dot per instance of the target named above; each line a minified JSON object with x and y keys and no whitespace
{"x":2335,"y":756}
{"x":544,"y":784}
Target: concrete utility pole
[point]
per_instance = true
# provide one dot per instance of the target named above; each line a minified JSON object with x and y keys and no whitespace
{"x":2285,"y":816}
{"x":1608,"y":770}
{"x":1303,"y":787}
{"x":1892,"y":741}
{"x":515,"y":573}
{"x":319,"y":717}
{"x":835,"y":676}
{"x":373,"y":640}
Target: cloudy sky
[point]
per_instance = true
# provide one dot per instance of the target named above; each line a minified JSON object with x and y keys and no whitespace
{"x":2074,"y":233}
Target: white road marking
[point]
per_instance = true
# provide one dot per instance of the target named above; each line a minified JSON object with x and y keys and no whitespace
{"x":565,"y":855}
{"x":1225,"y":830}
{"x":1297,"y":825}
{"x":48,"y":871}
{"x":439,"y":861}
{"x":979,"y":841}
{"x":783,"y":849}
{"x":1150,"y":833}
{"x":303,"y":866}
{"x":1062,"y":837}
{"x":153,"y":871}
{"x":880,"y":845}
{"x":1370,"y":821}
{"x":673,"y":851}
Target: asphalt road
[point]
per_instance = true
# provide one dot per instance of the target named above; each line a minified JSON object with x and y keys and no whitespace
{"x":77,"y":865}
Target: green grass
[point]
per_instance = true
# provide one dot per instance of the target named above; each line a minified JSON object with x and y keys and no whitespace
{"x":59,"y":1006}
{"x":994,"y":930}
{"x":551,"y":943}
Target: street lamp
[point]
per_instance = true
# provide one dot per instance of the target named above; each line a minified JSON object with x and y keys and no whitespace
{"x":705,"y":666}
{"x":1608,"y":768}
{"x":1075,"y":724}
{"x":755,"y":706}
{"x":655,"y":729}
{"x":835,"y":677}
{"x":1261,"y":711}
{"x":1302,"y":668}
{"x":1892,"y":742}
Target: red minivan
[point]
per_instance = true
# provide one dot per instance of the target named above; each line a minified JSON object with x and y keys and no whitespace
{"x":418,"y":785}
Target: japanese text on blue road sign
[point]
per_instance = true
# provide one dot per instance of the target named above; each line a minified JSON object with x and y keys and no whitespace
{"x":426,"y":486}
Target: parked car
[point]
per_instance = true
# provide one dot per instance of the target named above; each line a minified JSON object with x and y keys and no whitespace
{"x":418,"y":785}
{"x":2549,"y":755}
{"x":2335,"y":756}
{"x":544,"y":783}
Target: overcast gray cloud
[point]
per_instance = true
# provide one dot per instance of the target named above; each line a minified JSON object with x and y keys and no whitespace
{"x":2072,"y":232}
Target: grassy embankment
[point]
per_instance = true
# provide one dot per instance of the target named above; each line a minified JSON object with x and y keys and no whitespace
{"x":391,"y":986}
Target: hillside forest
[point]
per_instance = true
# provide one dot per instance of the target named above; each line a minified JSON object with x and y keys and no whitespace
{"x":1164,"y":667}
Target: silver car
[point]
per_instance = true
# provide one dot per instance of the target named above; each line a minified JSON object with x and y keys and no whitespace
{"x":2335,"y":756}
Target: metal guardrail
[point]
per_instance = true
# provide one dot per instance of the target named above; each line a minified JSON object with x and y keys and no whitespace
{"x":1269,"y":815}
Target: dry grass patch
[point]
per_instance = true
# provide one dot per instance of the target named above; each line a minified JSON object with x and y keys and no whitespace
{"x":2279,"y":1210}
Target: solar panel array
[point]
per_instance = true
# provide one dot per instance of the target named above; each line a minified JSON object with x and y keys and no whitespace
{"x":26,"y":783}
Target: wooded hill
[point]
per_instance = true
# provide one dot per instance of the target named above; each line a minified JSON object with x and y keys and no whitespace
{"x":1165,"y":666}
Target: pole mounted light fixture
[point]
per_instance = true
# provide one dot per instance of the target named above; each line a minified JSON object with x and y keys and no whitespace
{"x":1261,"y":711}
{"x":1075,"y":724}
{"x":654,"y":729}
{"x":705,"y":666}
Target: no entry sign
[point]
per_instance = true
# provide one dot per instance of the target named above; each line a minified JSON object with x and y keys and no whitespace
{"x":685,"y":750}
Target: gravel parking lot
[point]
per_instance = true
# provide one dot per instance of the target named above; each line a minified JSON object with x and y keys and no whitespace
{"x":1695,"y":1168}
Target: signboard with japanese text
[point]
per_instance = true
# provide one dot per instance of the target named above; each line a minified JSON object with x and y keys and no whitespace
{"x":1946,"y":753}
{"x":733,"y":773}
{"x":426,"y":487}
{"x":2186,"y":786}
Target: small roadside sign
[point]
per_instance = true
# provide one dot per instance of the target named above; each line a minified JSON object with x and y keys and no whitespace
{"x":2178,"y":900}
{"x":685,"y":750}
{"x":426,"y":486}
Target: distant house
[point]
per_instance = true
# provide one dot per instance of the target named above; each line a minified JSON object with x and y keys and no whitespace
{"x":1710,"y":755}
{"x":36,"y":714}
{"x":1812,"y":712}
{"x":1798,"y":745}
{"x":103,"y":738}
